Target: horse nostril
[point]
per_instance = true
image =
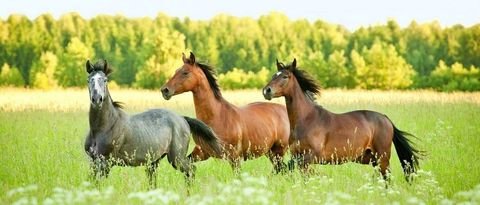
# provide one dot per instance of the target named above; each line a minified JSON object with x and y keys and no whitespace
{"x":268,"y":90}
{"x":165,"y":90}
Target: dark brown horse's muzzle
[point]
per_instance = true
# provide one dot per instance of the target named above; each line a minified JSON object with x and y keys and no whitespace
{"x":267,"y":93}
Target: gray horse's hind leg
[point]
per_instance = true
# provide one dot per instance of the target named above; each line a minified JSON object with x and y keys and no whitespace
{"x":183,"y":164}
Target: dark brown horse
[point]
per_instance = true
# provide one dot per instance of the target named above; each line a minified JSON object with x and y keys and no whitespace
{"x":250,"y":131}
{"x":320,"y":136}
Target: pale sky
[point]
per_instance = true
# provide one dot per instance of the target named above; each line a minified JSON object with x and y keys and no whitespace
{"x":352,"y":14}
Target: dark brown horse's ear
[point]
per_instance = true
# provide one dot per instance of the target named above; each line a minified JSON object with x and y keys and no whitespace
{"x":279,"y":65}
{"x":89,"y":66}
{"x":192,"y":58}
{"x":184,"y":58}
{"x":294,"y":63}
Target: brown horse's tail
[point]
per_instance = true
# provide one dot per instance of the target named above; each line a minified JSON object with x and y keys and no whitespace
{"x":407,"y":154}
{"x":204,"y":133}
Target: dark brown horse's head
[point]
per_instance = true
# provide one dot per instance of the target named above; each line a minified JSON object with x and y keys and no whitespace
{"x":284,"y":81}
{"x":190,"y":76}
{"x":281,"y":81}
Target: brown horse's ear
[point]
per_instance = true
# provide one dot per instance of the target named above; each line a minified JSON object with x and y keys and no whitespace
{"x":192,"y":58}
{"x":184,"y":58}
{"x":89,"y":66}
{"x":279,"y":65}
{"x":294,"y":63}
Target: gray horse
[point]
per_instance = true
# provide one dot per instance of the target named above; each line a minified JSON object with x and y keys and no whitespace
{"x":143,"y":139}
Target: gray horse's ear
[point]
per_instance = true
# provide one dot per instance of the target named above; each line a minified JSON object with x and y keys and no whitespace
{"x":294,"y":63}
{"x":192,"y":58}
{"x":184,"y":58}
{"x":106,"y":69}
{"x":279,"y":65}
{"x":89,"y":66}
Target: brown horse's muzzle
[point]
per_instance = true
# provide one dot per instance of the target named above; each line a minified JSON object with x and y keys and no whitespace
{"x":166,"y":93}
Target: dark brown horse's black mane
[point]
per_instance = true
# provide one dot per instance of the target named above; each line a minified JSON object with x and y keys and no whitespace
{"x":307,"y":83}
{"x":210,"y":73}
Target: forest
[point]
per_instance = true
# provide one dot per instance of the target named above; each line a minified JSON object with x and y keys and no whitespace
{"x":49,"y":53}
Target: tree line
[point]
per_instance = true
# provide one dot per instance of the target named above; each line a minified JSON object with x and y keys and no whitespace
{"x":47,"y":52}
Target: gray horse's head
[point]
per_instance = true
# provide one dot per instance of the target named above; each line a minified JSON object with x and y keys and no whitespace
{"x":97,"y":82}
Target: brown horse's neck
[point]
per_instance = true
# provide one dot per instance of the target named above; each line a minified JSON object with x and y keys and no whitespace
{"x":207,"y":106}
{"x":298,"y":104}
{"x":103,"y":118}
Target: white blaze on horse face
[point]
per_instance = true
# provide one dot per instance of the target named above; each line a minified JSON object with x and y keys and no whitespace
{"x":278,"y":73}
{"x":97,"y":78}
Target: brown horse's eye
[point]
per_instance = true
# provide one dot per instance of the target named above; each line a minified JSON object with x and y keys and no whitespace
{"x":185,"y":73}
{"x":285,"y":77}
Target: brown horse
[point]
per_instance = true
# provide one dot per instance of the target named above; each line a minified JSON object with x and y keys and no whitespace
{"x":320,"y":136}
{"x":250,"y":131}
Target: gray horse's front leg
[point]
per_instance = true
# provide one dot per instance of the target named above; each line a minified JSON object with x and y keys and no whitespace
{"x":151,"y":170}
{"x":99,"y":168}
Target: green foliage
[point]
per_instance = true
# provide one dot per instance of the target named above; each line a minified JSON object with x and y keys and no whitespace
{"x":162,"y":64}
{"x":72,"y":71}
{"x":10,"y":76}
{"x":329,"y":51}
{"x":381,"y":67}
{"x":455,"y":77}
{"x":239,"y":79}
{"x":44,"y":73}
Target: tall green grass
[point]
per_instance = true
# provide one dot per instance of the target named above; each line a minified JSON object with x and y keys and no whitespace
{"x":43,"y":161}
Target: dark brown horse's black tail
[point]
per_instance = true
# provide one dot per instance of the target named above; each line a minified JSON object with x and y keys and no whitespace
{"x":407,"y":154}
{"x":204,"y":133}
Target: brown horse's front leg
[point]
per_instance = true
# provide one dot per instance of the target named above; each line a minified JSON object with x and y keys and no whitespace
{"x":197,"y":154}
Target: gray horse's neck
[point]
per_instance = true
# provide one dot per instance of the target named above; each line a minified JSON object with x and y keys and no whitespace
{"x":104,"y":118}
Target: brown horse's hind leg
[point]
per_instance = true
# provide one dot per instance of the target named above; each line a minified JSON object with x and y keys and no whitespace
{"x":276,"y":157}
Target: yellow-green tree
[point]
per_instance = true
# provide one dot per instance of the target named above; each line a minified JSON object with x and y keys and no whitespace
{"x":72,"y":71}
{"x":169,"y":46}
{"x":381,"y":67}
{"x":10,"y":76}
{"x":44,"y":73}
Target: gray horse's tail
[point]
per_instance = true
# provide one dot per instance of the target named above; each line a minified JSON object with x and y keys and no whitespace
{"x":205,"y":134}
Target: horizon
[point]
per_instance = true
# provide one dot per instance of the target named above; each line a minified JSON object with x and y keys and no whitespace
{"x":360,"y":14}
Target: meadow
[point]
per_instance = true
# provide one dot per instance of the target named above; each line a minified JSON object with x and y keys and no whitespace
{"x":43,"y":162}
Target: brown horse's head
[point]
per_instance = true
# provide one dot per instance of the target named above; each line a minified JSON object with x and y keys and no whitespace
{"x":185,"y":78}
{"x":284,"y":81}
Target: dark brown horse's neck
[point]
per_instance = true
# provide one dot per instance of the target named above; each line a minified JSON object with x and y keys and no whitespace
{"x":207,"y":106}
{"x":102,"y":119}
{"x":298,"y":105}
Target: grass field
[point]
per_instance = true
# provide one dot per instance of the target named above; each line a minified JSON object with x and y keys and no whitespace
{"x":42,"y":159}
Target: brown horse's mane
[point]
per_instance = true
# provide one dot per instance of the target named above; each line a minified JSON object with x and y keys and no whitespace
{"x":307,"y":83}
{"x":210,"y":73}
